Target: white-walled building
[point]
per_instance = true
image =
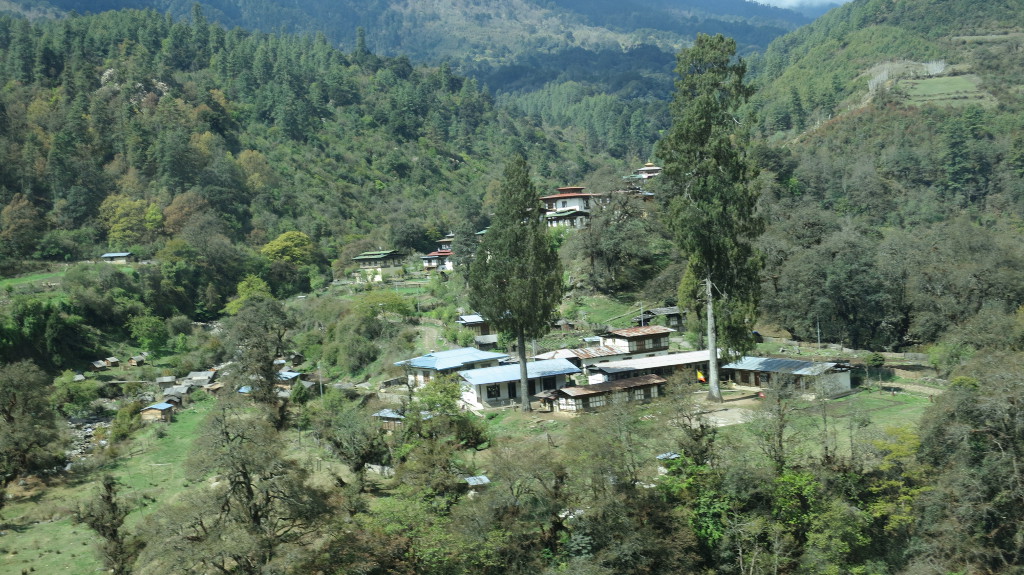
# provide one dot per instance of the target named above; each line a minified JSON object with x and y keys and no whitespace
{"x":498,"y":386}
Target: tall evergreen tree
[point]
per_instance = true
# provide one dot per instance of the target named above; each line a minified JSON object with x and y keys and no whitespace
{"x":712,"y":207}
{"x":515,"y":280}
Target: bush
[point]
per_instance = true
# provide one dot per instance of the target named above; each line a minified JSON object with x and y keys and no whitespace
{"x":127,"y":421}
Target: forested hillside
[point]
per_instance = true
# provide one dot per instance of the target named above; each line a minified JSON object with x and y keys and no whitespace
{"x":881,"y":149}
{"x":892,"y":175}
{"x":615,"y":57}
{"x":197,"y":146}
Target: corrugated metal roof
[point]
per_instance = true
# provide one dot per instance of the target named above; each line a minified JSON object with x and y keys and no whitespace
{"x":781,"y":365}
{"x":556,"y":354}
{"x":451,"y":359}
{"x":599,"y":351}
{"x":534,"y":369}
{"x":641,"y":331}
{"x":161,"y":406}
{"x":478,"y":480}
{"x":389,"y":414}
{"x":376,"y":255}
{"x":116,"y":255}
{"x":471,"y":318}
{"x":618,"y":385}
{"x":669,"y":359}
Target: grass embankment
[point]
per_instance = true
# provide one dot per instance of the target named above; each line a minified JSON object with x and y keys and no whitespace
{"x":41,"y":534}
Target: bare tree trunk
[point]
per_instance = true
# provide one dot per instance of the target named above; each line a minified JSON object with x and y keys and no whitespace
{"x":523,"y":386}
{"x":714,"y":393}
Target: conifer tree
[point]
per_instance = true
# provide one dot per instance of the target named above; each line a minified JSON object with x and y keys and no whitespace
{"x":515,"y":280}
{"x":712,"y":208}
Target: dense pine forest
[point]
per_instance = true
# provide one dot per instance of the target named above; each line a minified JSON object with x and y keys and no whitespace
{"x":882,"y":153}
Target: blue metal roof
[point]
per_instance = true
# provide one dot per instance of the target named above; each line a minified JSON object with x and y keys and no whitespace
{"x":534,"y":369}
{"x":478,"y":480}
{"x":780,"y":365}
{"x":451,"y":359}
{"x":161,"y":406}
{"x":115,"y":254}
{"x":389,"y":414}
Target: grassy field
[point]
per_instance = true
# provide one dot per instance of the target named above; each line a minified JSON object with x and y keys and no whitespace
{"x":951,"y":90}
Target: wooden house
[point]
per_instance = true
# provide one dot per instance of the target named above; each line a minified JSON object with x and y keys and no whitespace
{"x":390,"y":419}
{"x":112,"y":362}
{"x":666,"y":316}
{"x":586,"y":397}
{"x":157,"y":412}
{"x":651,"y":338}
{"x":137,"y":360}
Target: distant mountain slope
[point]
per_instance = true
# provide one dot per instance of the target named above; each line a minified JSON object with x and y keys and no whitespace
{"x":473,"y":30}
{"x":833,"y":64}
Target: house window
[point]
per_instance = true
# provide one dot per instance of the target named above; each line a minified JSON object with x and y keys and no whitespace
{"x":548,"y":383}
{"x":493,"y":391}
{"x":513,"y":389}
{"x":565,"y":204}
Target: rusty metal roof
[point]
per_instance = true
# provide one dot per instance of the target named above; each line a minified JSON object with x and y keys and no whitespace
{"x":617,"y":385}
{"x":599,"y":351}
{"x":641,"y":331}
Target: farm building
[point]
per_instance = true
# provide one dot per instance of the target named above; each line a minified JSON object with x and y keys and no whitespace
{"x":826,"y":378}
{"x":157,"y":412}
{"x":586,"y":397}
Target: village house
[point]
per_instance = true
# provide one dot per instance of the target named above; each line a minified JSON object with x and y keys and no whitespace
{"x":422,"y":369}
{"x":570,"y":207}
{"x":165,"y":381}
{"x":686,"y":363}
{"x":824,"y":378}
{"x":645,"y":339}
{"x":441,"y":258}
{"x":98,"y":365}
{"x":112,"y":362}
{"x":201,"y":377}
{"x":390,"y":420}
{"x":137,"y":360}
{"x":117,"y":257}
{"x":482,"y":335}
{"x":666,"y":316}
{"x":587,"y":397}
{"x":616,"y":345}
{"x":498,"y":386}
{"x":374,"y":265}
{"x":157,"y":412}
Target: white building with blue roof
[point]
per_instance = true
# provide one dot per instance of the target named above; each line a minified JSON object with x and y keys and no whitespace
{"x":499,"y":386}
{"x":422,"y":369}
